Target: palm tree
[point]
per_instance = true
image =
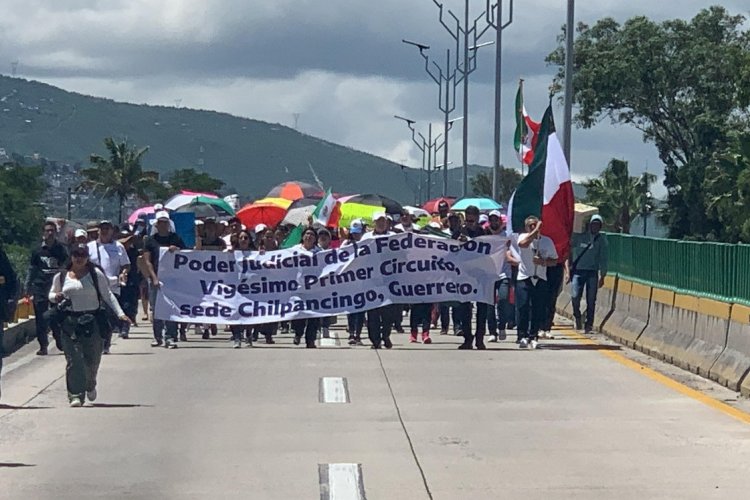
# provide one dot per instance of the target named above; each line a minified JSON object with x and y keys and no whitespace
{"x":618,"y":195}
{"x":121,"y":174}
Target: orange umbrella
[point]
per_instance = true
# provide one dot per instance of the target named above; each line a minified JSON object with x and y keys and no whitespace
{"x":268,"y":211}
{"x":295,"y":190}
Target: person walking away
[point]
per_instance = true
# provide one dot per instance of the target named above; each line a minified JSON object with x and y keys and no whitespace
{"x":469,"y":230}
{"x":112,"y":257}
{"x":46,"y":261}
{"x":587,"y":268}
{"x":8,"y":292}
{"x":80,"y":291}
{"x":165,"y":331}
{"x":380,"y":319}
{"x":533,"y":253}
{"x":309,"y":326}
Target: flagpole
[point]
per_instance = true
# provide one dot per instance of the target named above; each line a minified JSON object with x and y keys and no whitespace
{"x":520,"y":148}
{"x":569,"y":55}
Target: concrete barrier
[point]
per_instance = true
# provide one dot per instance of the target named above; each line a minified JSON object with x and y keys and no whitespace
{"x":681,"y":330}
{"x":711,"y":327}
{"x":733,"y":365}
{"x":16,"y":335}
{"x":605,"y":301}
{"x":564,"y":307}
{"x":660,"y":321}
{"x":635,"y":317}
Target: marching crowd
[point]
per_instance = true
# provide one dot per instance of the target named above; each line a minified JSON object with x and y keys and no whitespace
{"x":89,"y":288}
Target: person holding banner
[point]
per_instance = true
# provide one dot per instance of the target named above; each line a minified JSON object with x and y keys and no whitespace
{"x":380,"y":319}
{"x":165,"y":332}
{"x":307,"y":327}
{"x":469,"y":230}
{"x":355,"y":321}
{"x":533,"y":253}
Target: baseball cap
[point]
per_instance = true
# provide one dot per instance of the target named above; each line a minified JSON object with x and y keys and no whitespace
{"x":106,"y":222}
{"x":443,"y":204}
{"x":158,"y":207}
{"x":80,"y":249}
{"x":496,"y":213}
{"x":162,"y":215}
{"x":198,"y":222}
{"x":483,"y":218}
{"x":596,"y":218}
{"x":378,"y":215}
{"x":80,"y":233}
{"x":260,"y":228}
{"x":355,"y":227}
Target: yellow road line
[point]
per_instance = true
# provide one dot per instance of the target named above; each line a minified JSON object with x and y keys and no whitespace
{"x":664,"y":380}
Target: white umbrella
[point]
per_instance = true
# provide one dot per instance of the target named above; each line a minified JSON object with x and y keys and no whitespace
{"x":416,"y":212}
{"x":184,"y":198}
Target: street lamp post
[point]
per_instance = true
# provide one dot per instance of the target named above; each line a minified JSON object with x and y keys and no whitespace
{"x":496,"y":21}
{"x":569,"y":58}
{"x":470,"y":33}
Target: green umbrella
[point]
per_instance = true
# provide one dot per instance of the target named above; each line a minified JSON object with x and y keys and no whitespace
{"x":217,"y":203}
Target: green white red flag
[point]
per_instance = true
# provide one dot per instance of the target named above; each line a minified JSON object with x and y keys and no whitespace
{"x":527,"y":130}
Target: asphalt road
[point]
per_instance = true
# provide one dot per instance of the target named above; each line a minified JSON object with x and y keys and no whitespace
{"x":570,"y":420}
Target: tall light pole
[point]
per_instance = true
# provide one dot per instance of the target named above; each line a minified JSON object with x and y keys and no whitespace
{"x":467,"y":34}
{"x":496,"y":21}
{"x":429,"y":147}
{"x":569,"y":58}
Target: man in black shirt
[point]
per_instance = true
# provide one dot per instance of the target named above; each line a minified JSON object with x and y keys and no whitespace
{"x":163,"y":237}
{"x":46,"y":261}
{"x":471,"y":229}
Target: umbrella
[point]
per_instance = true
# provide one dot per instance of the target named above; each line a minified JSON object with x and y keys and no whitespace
{"x":364,"y":206}
{"x":299,"y":211}
{"x":416,"y":212}
{"x":268,"y":211}
{"x":295,"y":190}
{"x":184,"y":198}
{"x":432,"y":205}
{"x":481,"y":203}
{"x":201,"y":210}
{"x":219,"y":206}
{"x":140,"y":211}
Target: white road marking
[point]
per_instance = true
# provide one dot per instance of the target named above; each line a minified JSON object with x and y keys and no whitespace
{"x":341,"y":482}
{"x":333,"y":390}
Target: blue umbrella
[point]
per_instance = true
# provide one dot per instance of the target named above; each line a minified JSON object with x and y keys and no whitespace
{"x":483,"y":204}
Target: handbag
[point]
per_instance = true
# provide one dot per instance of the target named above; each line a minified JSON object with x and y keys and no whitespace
{"x":106,"y":318}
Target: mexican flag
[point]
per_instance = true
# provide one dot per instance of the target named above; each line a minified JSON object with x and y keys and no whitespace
{"x":328,"y":212}
{"x":546,"y":191}
{"x":527,"y":130}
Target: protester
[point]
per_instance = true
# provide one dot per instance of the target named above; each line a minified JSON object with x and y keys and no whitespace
{"x":380,"y":319}
{"x":111,"y":257}
{"x":234,"y":228}
{"x":130,"y":280}
{"x":165,"y":332}
{"x":46,"y":261}
{"x":80,"y":237}
{"x":406,"y":223}
{"x":533,"y":253}
{"x":307,"y":327}
{"x":355,"y":321}
{"x":79,"y":292}
{"x":324,"y":243}
{"x":469,"y":230}
{"x":496,"y":316}
{"x":8,"y":292}
{"x":587,"y":268}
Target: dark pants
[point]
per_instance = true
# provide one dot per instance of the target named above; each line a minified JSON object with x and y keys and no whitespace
{"x":531,"y":305}
{"x":420,"y":317}
{"x":2,"y":352}
{"x":463,"y":315}
{"x":554,"y":284}
{"x":589,"y":280}
{"x":355,"y":322}
{"x":486,"y":319}
{"x":505,"y":312}
{"x":308,"y":328}
{"x":239,"y":330}
{"x":379,"y":323}
{"x":83,"y":353}
{"x":161,"y":327}
{"x":41,"y":306}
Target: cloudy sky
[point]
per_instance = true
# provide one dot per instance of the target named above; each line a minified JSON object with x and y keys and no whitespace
{"x":339,"y":64}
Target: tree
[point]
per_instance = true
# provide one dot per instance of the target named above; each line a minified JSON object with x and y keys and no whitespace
{"x":192,"y":180}
{"x":618,"y":195}
{"x":481,"y":184}
{"x":684,"y":84}
{"x":121,"y":174}
{"x":727,"y":188}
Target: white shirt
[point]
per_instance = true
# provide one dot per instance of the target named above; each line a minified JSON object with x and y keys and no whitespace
{"x":113,"y":258}
{"x":410,"y":229}
{"x":543,"y":246}
{"x":371,"y":234}
{"x":82,"y":293}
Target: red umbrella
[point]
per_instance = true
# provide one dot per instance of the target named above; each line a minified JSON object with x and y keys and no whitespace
{"x":432,"y":205}
{"x":295,"y":190}
{"x":268,"y":211}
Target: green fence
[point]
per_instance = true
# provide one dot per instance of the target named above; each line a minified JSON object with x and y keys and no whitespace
{"x":715,"y":270}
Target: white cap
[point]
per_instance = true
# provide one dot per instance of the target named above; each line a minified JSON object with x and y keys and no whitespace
{"x":496,"y":213}
{"x":158,"y":206}
{"x":435,"y":225}
{"x":198,"y":222}
{"x":162,"y":215}
{"x":378,"y":215}
{"x":260,"y":228}
{"x":80,"y":233}
{"x":483,"y":218}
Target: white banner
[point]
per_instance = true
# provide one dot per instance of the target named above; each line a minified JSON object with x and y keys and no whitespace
{"x":250,"y":288}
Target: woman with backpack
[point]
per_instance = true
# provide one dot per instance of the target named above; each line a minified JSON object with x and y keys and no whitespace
{"x":82,"y":295}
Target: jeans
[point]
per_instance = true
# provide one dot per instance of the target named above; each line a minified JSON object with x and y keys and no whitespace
{"x":531,"y":305}
{"x":555,"y":275}
{"x":589,"y":280}
{"x":308,"y":328}
{"x":504,"y":309}
{"x":238,"y":332}
{"x":420,"y":317}
{"x":161,"y":327}
{"x":355,"y":321}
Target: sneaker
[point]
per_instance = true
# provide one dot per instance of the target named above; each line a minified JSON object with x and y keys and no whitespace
{"x":156,"y":343}
{"x":183,"y":337}
{"x":426,"y":338}
{"x":501,"y":335}
{"x":579,"y":324}
{"x":206,"y":335}
{"x":359,"y":342}
{"x":464,"y":346}
{"x":387,"y":343}
{"x":170,"y":345}
{"x":42,"y":352}
{"x":443,"y":332}
{"x":237,"y":344}
{"x":481,"y":346}
{"x":413,"y":338}
{"x":533,"y":344}
{"x":105,"y":350}
{"x":123,"y":336}
{"x":297,"y":340}
{"x":543,"y":335}
{"x":493,"y":338}
{"x":75,"y":403}
{"x":588,"y":331}
{"x":311,"y":345}
{"x":352,"y":340}
{"x":523,"y":343}
{"x":91,"y":395}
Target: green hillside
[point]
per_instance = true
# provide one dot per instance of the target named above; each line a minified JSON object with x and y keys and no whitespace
{"x":249,"y":155}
